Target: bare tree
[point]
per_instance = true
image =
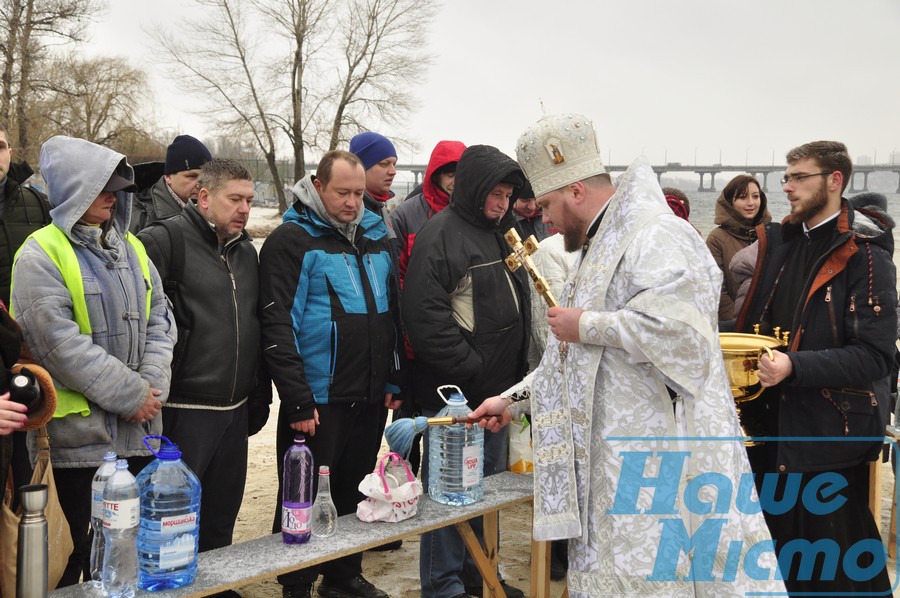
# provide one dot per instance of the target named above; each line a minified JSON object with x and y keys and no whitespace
{"x":219,"y":63}
{"x":27,"y":29}
{"x":381,"y":59}
{"x":302,"y":23}
{"x":98,"y":99}
{"x":331,"y":69}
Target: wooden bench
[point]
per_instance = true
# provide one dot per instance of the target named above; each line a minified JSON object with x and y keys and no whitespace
{"x":257,"y":560}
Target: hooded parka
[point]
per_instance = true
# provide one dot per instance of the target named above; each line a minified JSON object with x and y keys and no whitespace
{"x":128,"y":350}
{"x":467,"y":316}
{"x":733,"y":233}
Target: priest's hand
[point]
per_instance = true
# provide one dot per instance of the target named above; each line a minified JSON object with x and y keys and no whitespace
{"x":771,"y":372}
{"x":563,"y":322}
{"x":495,"y":412}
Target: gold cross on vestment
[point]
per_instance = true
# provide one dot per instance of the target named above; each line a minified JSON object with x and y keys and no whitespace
{"x":521,"y":256}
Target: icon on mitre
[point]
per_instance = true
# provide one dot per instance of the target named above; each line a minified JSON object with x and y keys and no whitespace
{"x":554,"y":148}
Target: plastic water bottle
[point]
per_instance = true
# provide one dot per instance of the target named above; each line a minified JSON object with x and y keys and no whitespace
{"x":98,"y":543}
{"x":170,"y":520}
{"x":324,"y":513}
{"x":121,"y":513}
{"x":296,"y":495}
{"x":455,"y":456}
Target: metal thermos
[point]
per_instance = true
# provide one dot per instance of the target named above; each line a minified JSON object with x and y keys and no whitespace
{"x":31,"y":559}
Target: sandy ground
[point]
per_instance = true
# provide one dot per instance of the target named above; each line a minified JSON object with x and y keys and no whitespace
{"x":396,"y":572}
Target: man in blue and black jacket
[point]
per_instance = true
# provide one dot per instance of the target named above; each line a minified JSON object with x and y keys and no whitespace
{"x":330,"y":343}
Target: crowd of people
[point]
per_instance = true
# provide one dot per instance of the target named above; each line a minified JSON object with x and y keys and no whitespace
{"x":153,"y":313}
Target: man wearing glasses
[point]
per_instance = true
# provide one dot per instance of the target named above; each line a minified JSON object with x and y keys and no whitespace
{"x":826,"y":276}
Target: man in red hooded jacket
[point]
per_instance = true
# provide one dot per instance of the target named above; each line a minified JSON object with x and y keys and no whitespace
{"x":407,"y":219}
{"x":412,"y":214}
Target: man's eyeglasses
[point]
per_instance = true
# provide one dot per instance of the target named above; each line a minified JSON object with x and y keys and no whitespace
{"x":796,"y":178}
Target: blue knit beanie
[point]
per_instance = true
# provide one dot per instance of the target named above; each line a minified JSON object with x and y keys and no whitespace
{"x":371,"y":148}
{"x":186,"y":153}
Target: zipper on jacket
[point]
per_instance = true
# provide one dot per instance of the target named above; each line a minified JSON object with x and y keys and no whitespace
{"x":333,"y":363}
{"x":237,"y":328}
{"x":831,"y":315}
{"x":372,"y":275}
{"x":351,"y":273}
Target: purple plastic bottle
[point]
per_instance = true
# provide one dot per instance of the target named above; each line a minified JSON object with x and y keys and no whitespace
{"x":297,"y":493}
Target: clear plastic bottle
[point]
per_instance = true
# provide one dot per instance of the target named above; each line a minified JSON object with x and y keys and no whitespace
{"x":296,"y":495}
{"x":324,"y":513}
{"x":97,"y":543}
{"x":170,"y":520}
{"x":120,"y":526}
{"x":455,"y":456}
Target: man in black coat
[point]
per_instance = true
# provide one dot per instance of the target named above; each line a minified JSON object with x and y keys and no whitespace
{"x":467,"y":317}
{"x":220,"y":393}
{"x":826,"y":276}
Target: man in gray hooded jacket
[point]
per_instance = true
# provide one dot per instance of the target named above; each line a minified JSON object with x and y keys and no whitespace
{"x":93,"y":312}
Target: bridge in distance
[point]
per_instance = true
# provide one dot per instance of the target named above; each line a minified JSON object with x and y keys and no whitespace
{"x":860,"y":173}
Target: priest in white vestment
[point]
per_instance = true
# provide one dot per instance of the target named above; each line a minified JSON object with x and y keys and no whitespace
{"x":638,"y":454}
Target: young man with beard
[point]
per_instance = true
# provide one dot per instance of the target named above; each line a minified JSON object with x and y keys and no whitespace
{"x":825,"y":275}
{"x":219,"y":395}
{"x":633,"y":369}
{"x":467,"y":319}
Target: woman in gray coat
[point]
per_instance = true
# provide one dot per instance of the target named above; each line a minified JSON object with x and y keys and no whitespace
{"x":93,"y":312}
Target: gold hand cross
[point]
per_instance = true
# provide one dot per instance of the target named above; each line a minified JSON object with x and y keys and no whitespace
{"x":521,"y":256}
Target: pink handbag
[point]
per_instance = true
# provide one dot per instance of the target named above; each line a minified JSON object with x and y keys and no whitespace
{"x":392,"y":491}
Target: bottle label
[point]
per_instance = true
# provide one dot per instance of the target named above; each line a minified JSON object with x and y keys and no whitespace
{"x":178,"y":554}
{"x":471,"y":475}
{"x":295,"y":518}
{"x":178,"y":524}
{"x":97,"y":499}
{"x":121,"y":514}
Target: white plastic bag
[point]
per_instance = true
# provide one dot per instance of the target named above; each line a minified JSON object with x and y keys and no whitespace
{"x":392,"y":491}
{"x":521,"y":459}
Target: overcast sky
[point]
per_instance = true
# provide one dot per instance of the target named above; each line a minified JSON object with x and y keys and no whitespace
{"x":670,"y":79}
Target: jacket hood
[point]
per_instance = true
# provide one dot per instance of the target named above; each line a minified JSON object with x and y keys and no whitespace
{"x":738,"y":225}
{"x":480,"y":169}
{"x":76,"y":171}
{"x":871,"y":224}
{"x":444,"y":153}
{"x":306,"y":194}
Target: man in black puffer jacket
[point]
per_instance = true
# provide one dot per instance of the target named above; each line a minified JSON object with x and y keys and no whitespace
{"x":467,"y":317}
{"x":220,"y":393}
{"x":826,"y":276}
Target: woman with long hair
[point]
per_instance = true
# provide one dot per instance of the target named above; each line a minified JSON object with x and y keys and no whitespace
{"x":739,"y":209}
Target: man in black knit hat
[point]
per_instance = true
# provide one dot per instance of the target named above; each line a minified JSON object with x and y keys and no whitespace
{"x":178,"y":185}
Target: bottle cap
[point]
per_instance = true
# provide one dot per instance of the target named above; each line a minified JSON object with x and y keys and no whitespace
{"x":168,"y":450}
{"x":323,"y":470}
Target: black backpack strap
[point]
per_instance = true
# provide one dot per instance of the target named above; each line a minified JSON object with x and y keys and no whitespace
{"x":176,"y":258}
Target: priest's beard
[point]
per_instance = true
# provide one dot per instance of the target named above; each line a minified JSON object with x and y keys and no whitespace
{"x":572,"y":228}
{"x":811,"y":207}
